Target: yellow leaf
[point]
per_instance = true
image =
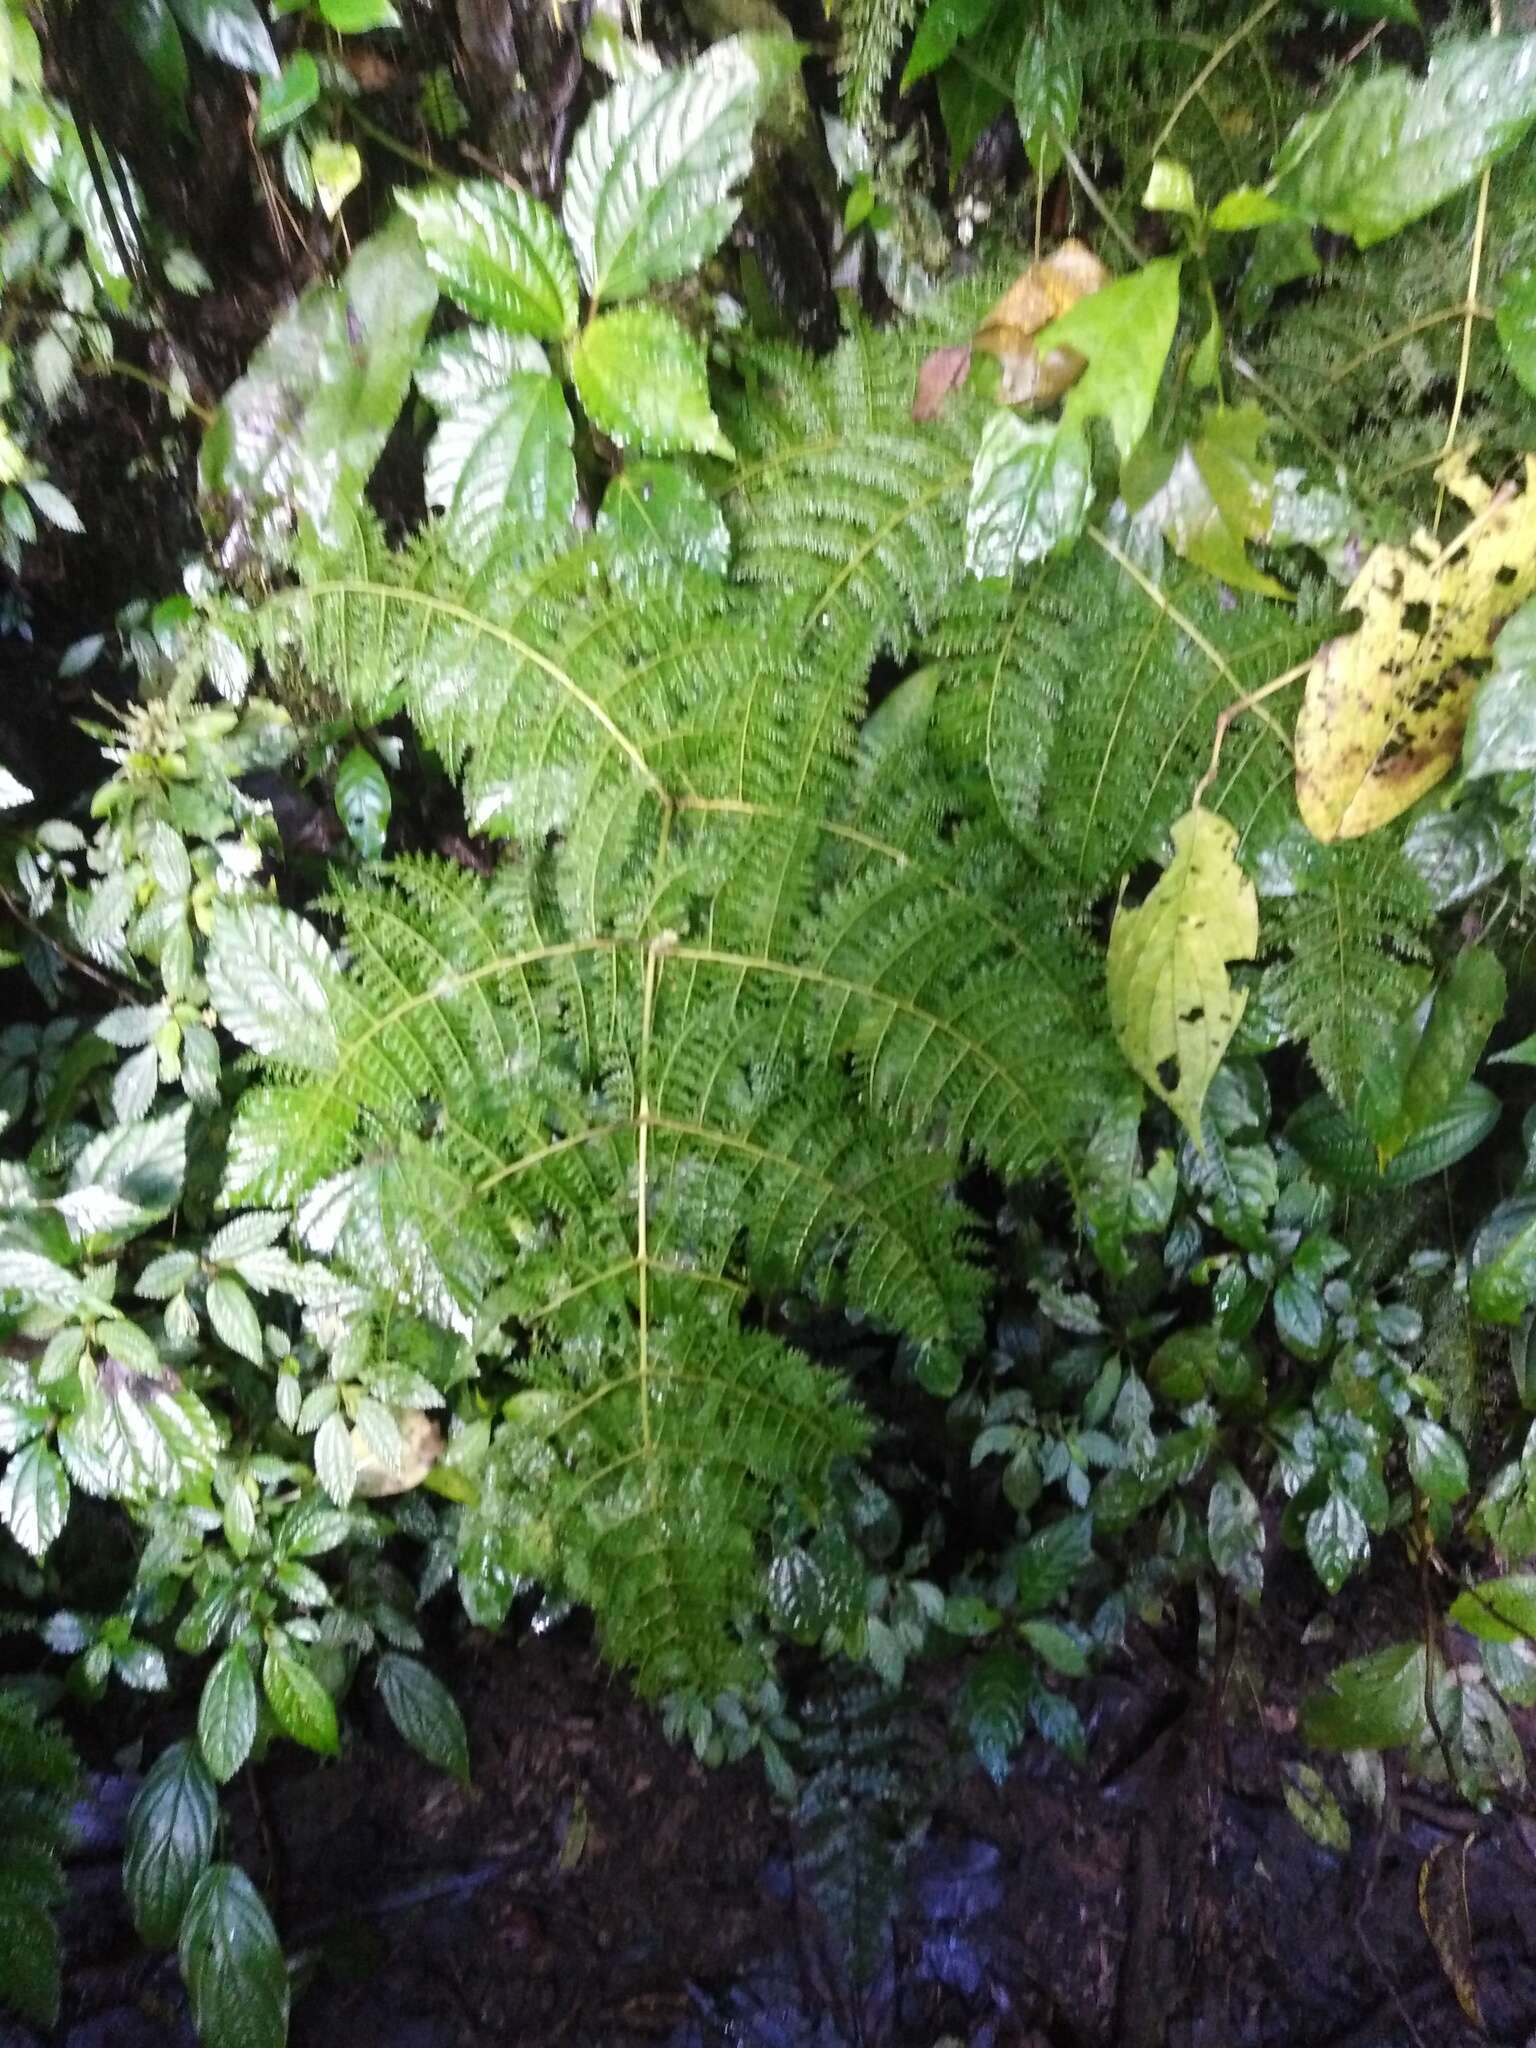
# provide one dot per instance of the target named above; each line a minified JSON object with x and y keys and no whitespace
{"x":1386,"y":706}
{"x":1032,"y":301}
{"x":421,"y":1445}
{"x":1171,"y":1000}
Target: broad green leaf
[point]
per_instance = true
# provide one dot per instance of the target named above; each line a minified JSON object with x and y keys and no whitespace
{"x":474,"y":362}
{"x":1502,"y":1276}
{"x":1430,"y":1057}
{"x":363,"y":801}
{"x":1125,"y":331}
{"x":1435,"y":1459}
{"x":1376,"y":1702}
{"x":1386,"y":705}
{"x":303,"y":428}
{"x":285,"y":98}
{"x":1213,"y":497}
{"x":425,"y":1713}
{"x":227,"y":1713}
{"x":1171,"y":999}
{"x":507,"y":451}
{"x":356,"y":17}
{"x":1337,"y":1540}
{"x":232,"y":1964}
{"x":234,"y":1318}
{"x":1031,"y":489}
{"x":944,"y":23}
{"x":34,"y":1497}
{"x":641,"y":377}
{"x":499,"y":253}
{"x":1498,"y":1610}
{"x":1335,"y":1144}
{"x":1244,"y":208}
{"x":337,"y":168}
{"x":1051,"y":1643}
{"x":169,"y":1844}
{"x":231,"y":30}
{"x":659,"y":512}
{"x":1048,"y":91}
{"x":1048,"y":1564}
{"x":650,"y":184}
{"x":335,"y":1461}
{"x":1501,"y":726}
{"x":270,"y":977}
{"x":301,"y":1704}
{"x":1515,"y":320}
{"x":157,"y":40}
{"x":1392,"y":147}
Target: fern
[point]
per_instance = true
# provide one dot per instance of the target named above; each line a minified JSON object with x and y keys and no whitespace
{"x":37,"y":1772}
{"x":870,"y":33}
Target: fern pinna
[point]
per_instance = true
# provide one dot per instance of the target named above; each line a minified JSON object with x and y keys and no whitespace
{"x":755,"y":975}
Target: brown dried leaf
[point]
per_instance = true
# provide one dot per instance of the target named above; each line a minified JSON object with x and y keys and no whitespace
{"x":1386,"y":706}
{"x":421,"y":1445}
{"x":942,"y":372}
{"x":1032,"y":301}
{"x":1443,"y":1909}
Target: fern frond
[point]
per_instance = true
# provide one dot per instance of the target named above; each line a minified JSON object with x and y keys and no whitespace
{"x":870,"y":32}
{"x":38,"y":1770}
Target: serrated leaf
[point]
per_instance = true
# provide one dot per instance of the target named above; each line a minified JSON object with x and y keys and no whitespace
{"x":134,"y":1085}
{"x":169,"y":1842}
{"x":335,"y":1462}
{"x":34,"y":1497}
{"x":270,"y":977}
{"x":1235,"y":1530}
{"x":1171,"y":1000}
{"x":230,"y":30}
{"x":499,"y":253}
{"x":1337,"y":1540}
{"x":227,"y":1713}
{"x":303,"y":1707}
{"x":234,"y":1318}
{"x":1125,"y":331}
{"x":1386,"y":705}
{"x":650,"y":184}
{"x":1049,"y":1563}
{"x":1031,"y":489}
{"x":54,"y":506}
{"x":658,"y":512}
{"x":505,"y":451}
{"x":1501,"y":726}
{"x":232,"y":1963}
{"x":1376,"y":1702}
{"x":641,"y":377}
{"x":1336,"y":1145}
{"x":1052,"y":1644}
{"x":425,"y":1713}
{"x":1392,"y":147}
{"x":474,"y":362}
{"x":363,"y":802}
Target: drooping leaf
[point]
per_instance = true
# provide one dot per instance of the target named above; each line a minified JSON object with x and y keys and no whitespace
{"x":641,"y":377}
{"x":157,"y":41}
{"x":994,"y":1708}
{"x":227,"y":1713}
{"x":1235,"y":1530}
{"x":169,"y":1844}
{"x":1501,"y":725}
{"x":231,"y":30}
{"x":1430,"y":1060}
{"x":650,"y":185}
{"x":335,"y":1462}
{"x":1392,"y":147}
{"x":1031,"y":490}
{"x":1386,"y":705}
{"x":1125,"y":331}
{"x":1039,"y":295}
{"x":232,"y":1963}
{"x":505,"y":451}
{"x":499,"y":253}
{"x":303,"y":428}
{"x":425,"y":1713}
{"x":659,"y":512}
{"x":303,"y":1707}
{"x":1171,"y":1000}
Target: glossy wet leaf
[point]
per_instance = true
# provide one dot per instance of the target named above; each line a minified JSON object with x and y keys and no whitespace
{"x":230,"y":30}
{"x":1213,"y":497}
{"x":505,"y":453}
{"x":659,"y":512}
{"x":499,"y":253}
{"x":363,"y":801}
{"x":159,"y":47}
{"x":172,"y":1825}
{"x":1501,"y":725}
{"x":1502,"y":1277}
{"x":233,"y":1316}
{"x":1498,"y":1610}
{"x":1386,"y":706}
{"x":1337,"y":1540}
{"x":641,"y":377}
{"x":1031,"y":489}
{"x":1125,"y":331}
{"x":34,"y":1498}
{"x":303,"y":428}
{"x":1430,"y":1058}
{"x":1039,"y":295}
{"x":227,"y":1713}
{"x":1048,"y":90}
{"x":270,"y":977}
{"x":335,"y":1460}
{"x":1375,"y":1702}
{"x":651,"y":181}
{"x":1391,"y":147}
{"x":1235,"y":1531}
{"x":303,"y":1707}
{"x":1436,"y":1460}
{"x":232,"y":1964}
{"x":425,"y":1713}
{"x":1172,"y":1002}
{"x":285,"y":98}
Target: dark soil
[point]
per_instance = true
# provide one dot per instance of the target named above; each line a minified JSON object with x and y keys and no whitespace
{"x":597,"y":1887}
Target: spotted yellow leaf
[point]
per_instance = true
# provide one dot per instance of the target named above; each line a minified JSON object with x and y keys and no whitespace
{"x":1171,"y":999}
{"x":1386,"y":705}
